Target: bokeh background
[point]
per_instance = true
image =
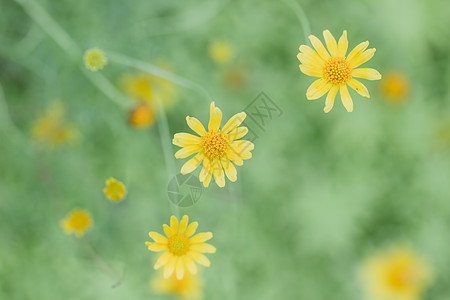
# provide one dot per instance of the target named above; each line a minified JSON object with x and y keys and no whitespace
{"x":320,"y":195}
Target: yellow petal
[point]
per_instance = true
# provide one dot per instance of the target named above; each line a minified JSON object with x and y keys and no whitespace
{"x":234,"y":122}
{"x":366,"y":73}
{"x":311,"y":70}
{"x":234,"y":157}
{"x":343,"y":44}
{"x":345,"y":98}
{"x":191,"y":229}
{"x":331,"y":43}
{"x":237,"y":133}
{"x":329,"y":102}
{"x":312,"y":55}
{"x":174,"y":224}
{"x":317,"y":89}
{"x":357,"y":50}
{"x":183,"y":224}
{"x":205,"y":169}
{"x":361,"y":58}
{"x":359,"y":87}
{"x":199,"y":258}
{"x":218,"y":173}
{"x":163,"y":260}
{"x":241,"y":146}
{"x":170,"y":266}
{"x":196,"y":126}
{"x":187,"y":151}
{"x":168,"y":231}
{"x":192,"y":164}
{"x":311,"y":60}
{"x":158,"y":238}
{"x":201,"y":237}
{"x":191,"y":266}
{"x":229,"y":168}
{"x":179,"y":268}
{"x":156,"y":247}
{"x":317,"y":44}
{"x":185,"y":139}
{"x":203,"y":248}
{"x":215,"y":118}
{"x":207,"y":179}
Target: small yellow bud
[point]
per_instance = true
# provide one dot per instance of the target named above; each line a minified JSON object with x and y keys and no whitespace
{"x":95,"y":59}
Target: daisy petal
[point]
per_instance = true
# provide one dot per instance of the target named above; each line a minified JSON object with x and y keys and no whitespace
{"x":183,"y":224}
{"x":163,"y":260}
{"x":218,"y":173}
{"x":361,"y":58}
{"x":168,"y":231}
{"x":237,"y":133}
{"x":317,"y":89}
{"x":179,"y":268}
{"x":207,"y":179}
{"x":190,"y":264}
{"x":312,"y":55}
{"x":185,"y":139}
{"x":357,"y":50}
{"x":359,"y":87}
{"x":234,"y":122}
{"x":230,"y":169}
{"x":234,"y":157}
{"x":170,"y":266}
{"x":196,"y":125}
{"x":310,"y":70}
{"x":317,"y":44}
{"x":205,"y":170}
{"x":201,"y":237}
{"x":200,"y":258}
{"x":156,"y":247}
{"x":366,"y":73}
{"x":158,"y":238}
{"x":191,"y":229}
{"x":174,"y":224}
{"x":329,"y":102}
{"x":192,"y":164}
{"x":331,"y":43}
{"x":215,"y":118}
{"x":312,"y":60}
{"x":203,"y":248}
{"x":346,"y":99}
{"x":343,"y":44}
{"x":188,"y":151}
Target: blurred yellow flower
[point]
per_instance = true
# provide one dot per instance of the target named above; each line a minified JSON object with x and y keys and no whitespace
{"x":395,"y":87}
{"x":77,"y":222}
{"x":221,"y":52}
{"x":398,"y":274}
{"x":95,"y":59}
{"x":217,"y":148}
{"x":181,"y":247}
{"x":114,"y":190}
{"x":335,"y":71}
{"x":142,"y":116}
{"x":187,"y":288}
{"x":51,"y":130}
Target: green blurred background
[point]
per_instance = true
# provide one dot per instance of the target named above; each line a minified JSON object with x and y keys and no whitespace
{"x":321,"y":192}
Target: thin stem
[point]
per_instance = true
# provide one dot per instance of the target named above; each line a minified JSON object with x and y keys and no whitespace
{"x":301,"y":15}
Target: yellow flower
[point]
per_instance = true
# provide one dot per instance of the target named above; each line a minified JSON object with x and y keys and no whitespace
{"x":142,"y":116}
{"x":52,"y":130}
{"x":217,"y":148}
{"x":114,"y":190}
{"x":221,"y":52}
{"x":180,"y":247}
{"x":95,"y":59}
{"x":335,"y":71}
{"x":395,"y":87}
{"x":187,"y":288}
{"x":398,"y":274}
{"x":77,"y":222}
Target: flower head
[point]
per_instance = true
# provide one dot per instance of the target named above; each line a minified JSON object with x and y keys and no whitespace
{"x":77,"y":222}
{"x":181,"y":247}
{"x":395,"y":87}
{"x":220,"y":52}
{"x":187,"y":288}
{"x":95,"y":59}
{"x":143,"y":116}
{"x":114,"y":190}
{"x":218,"y":149}
{"x":398,"y":274}
{"x":336,"y":70}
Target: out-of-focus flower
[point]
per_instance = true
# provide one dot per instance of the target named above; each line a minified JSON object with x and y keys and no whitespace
{"x":52,"y":130}
{"x":95,"y":59}
{"x":395,"y":87}
{"x":188,"y":288}
{"x":114,"y":190}
{"x":180,"y":247}
{"x":143,"y":116}
{"x":77,"y":222}
{"x":397,"y":274}
{"x":221,"y":52}
{"x":236,"y":78}
{"x":217,"y":148}
{"x":335,"y":70}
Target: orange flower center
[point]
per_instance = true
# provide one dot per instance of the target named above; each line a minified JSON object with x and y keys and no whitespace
{"x":79,"y":221}
{"x":214,"y":144}
{"x":178,"y":244}
{"x":337,"y":71}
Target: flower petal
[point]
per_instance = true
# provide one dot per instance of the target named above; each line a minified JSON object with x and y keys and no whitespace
{"x":205,"y":169}
{"x":203,"y":248}
{"x":357,"y":50}
{"x":317,"y":44}
{"x":237,"y":133}
{"x":366,"y":73}
{"x":158,"y":238}
{"x":311,"y":60}
{"x":168,"y":231}
{"x":310,"y":70}
{"x":234,"y":157}
{"x":174,"y":224}
{"x":199,"y":258}
{"x":179,"y":268}
{"x":331,"y":43}
{"x":201,"y":237}
{"x":163,"y":260}
{"x":329,"y":102}
{"x":234,"y":122}
{"x":193,"y":163}
{"x":191,"y":229}
{"x":207,"y":179}
{"x":188,"y":151}
{"x":183,"y":224}
{"x":196,"y":125}
{"x":170,"y":266}
{"x":185,"y":139}
{"x":241,"y":146}
{"x":312,"y":55}
{"x":343,"y":44}
{"x":317,"y":89}
{"x":156,"y":247}
{"x":359,"y":87}
{"x":218,"y":173}
{"x":229,"y":168}
{"x":346,"y":99}
{"x":361,"y":58}
{"x":215,"y":118}
{"x":190,"y":264}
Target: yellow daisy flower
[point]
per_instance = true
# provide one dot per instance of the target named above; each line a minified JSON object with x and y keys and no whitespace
{"x":395,"y":87}
{"x":77,"y":222}
{"x":398,"y":274}
{"x":114,"y":190}
{"x":335,"y":70}
{"x":143,"y":116}
{"x":221,"y":52}
{"x":95,"y":59}
{"x":187,"y":288}
{"x":181,"y":247}
{"x":218,"y":149}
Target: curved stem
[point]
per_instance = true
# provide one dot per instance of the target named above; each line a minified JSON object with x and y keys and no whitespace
{"x":301,"y":15}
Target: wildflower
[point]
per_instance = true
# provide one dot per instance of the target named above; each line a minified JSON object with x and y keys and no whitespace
{"x":335,"y":70}
{"x":221,"y":52}
{"x":395,"y":87}
{"x":142,"y":116}
{"x":187,"y":288}
{"x":181,"y":247}
{"x":95,"y":59}
{"x":398,"y":274}
{"x":77,"y":222}
{"x":52,"y":129}
{"x":114,"y":190}
{"x":218,"y":149}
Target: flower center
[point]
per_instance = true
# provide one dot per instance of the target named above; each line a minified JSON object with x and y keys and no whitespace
{"x":401,"y":277}
{"x":337,"y":71}
{"x":214,"y":144}
{"x":178,"y":244}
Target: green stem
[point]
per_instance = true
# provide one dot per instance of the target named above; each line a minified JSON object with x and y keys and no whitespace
{"x":301,"y":15}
